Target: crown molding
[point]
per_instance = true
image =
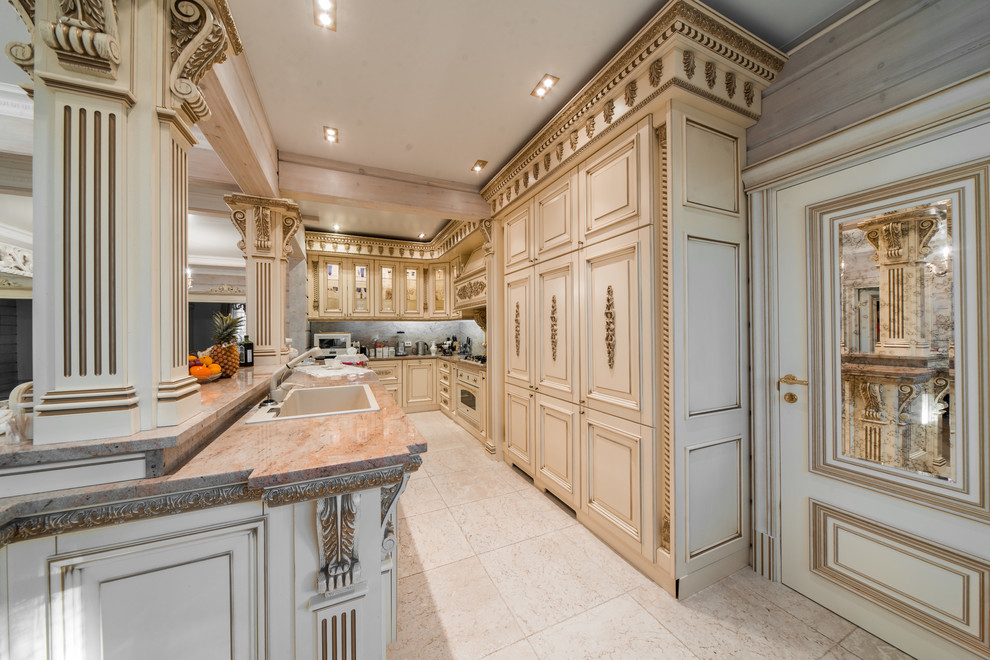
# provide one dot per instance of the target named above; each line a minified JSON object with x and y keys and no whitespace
{"x":450,"y":237}
{"x":685,"y":45}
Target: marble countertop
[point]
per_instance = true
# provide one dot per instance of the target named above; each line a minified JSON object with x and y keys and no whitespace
{"x":220,"y":400}
{"x":240,"y":462}
{"x":279,"y":452}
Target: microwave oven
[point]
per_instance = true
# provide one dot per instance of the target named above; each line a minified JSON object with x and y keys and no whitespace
{"x":333,"y":344}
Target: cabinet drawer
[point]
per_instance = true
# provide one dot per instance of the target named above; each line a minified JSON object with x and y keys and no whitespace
{"x":444,"y":367}
{"x":445,"y":390}
{"x":445,"y":378}
{"x":469,"y":377}
{"x":387,"y":372}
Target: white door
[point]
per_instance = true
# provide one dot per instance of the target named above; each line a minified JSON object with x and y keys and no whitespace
{"x":884,"y":440}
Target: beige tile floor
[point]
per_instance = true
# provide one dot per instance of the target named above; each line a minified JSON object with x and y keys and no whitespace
{"x":489,"y":567}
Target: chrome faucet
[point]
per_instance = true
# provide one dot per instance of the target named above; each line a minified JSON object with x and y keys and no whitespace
{"x":276,"y":392}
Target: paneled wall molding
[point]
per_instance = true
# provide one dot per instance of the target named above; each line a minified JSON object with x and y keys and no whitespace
{"x":449,"y":238}
{"x":681,"y":30}
{"x":267,"y":226}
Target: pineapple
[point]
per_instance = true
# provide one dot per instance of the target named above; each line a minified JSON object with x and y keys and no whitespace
{"x":224,"y":349}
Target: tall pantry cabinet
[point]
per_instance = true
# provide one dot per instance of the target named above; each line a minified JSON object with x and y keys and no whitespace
{"x":623,"y":315}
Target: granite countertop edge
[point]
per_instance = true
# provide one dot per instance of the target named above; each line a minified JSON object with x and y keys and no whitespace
{"x":53,"y":512}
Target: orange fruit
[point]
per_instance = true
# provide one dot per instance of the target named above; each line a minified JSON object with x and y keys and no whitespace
{"x":215,"y":368}
{"x":199,"y":372}
{"x":206,"y":360}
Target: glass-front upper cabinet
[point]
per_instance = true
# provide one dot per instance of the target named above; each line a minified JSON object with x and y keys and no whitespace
{"x":359,"y":286}
{"x":385,"y":285}
{"x":439,"y":292}
{"x":412,"y":290}
{"x":332,"y":297}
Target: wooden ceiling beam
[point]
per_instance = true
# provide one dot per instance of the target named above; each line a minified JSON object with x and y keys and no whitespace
{"x":238,"y":129}
{"x":307,"y":182}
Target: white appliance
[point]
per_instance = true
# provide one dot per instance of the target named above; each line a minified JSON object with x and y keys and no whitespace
{"x":333,"y":344}
{"x":466,"y":394}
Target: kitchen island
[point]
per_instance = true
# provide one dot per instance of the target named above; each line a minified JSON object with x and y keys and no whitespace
{"x":274,"y":539}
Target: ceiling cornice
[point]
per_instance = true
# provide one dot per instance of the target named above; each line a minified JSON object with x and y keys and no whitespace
{"x":679,"y":22}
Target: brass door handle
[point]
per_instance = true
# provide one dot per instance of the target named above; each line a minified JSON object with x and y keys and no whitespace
{"x":790,"y":379}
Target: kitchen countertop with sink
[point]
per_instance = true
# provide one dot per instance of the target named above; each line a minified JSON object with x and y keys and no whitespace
{"x":233,"y":461}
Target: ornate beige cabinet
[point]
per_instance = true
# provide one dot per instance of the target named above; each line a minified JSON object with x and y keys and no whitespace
{"x":622,"y":314}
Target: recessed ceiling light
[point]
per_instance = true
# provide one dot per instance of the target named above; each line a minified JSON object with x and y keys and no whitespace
{"x":325,"y":14}
{"x":544,"y":86}
{"x":478,"y":166}
{"x":422,"y":236}
{"x":336,"y":227}
{"x":331,"y":135}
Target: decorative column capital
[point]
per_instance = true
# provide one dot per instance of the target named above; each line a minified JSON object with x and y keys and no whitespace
{"x":266,"y":224}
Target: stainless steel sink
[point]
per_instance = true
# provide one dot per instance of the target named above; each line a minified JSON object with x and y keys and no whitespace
{"x":319,"y":402}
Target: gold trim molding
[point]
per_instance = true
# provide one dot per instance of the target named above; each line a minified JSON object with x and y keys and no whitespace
{"x":679,"y":23}
{"x":318,"y":242}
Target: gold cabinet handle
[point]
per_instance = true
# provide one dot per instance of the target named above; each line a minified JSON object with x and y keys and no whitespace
{"x":790,"y":379}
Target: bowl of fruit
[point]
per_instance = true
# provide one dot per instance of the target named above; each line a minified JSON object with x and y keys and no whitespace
{"x":203,"y":368}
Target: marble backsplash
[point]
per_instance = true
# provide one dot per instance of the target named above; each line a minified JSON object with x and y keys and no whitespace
{"x":366,"y":332}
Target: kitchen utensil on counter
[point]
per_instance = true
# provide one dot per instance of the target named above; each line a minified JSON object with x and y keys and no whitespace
{"x":422,"y":348}
{"x":400,"y":343}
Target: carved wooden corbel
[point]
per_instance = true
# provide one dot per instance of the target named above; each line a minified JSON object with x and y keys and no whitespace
{"x":198,"y":41}
{"x":22,"y":54}
{"x":84,"y":36}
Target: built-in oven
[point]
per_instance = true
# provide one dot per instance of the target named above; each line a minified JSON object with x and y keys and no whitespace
{"x":467,"y":394}
{"x":333,"y":344}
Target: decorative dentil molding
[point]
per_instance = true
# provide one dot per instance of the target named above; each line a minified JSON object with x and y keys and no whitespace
{"x":337,"y":529}
{"x":84,"y":37}
{"x":683,"y":30}
{"x":16,"y":260}
{"x":198,"y":41}
{"x":346,"y":245}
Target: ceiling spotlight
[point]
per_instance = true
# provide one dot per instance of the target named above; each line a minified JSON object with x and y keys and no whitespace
{"x":422,"y":236}
{"x":331,"y":135}
{"x":478,"y":166}
{"x":325,"y":14}
{"x":544,"y":86}
{"x":336,"y":227}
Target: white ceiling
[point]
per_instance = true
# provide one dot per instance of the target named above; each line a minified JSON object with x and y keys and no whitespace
{"x":429,"y":87}
{"x":317,"y":216}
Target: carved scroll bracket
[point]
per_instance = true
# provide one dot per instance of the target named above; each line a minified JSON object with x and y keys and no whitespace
{"x":22,"y":54}
{"x":198,"y":41}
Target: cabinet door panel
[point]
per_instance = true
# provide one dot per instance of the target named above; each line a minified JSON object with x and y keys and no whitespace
{"x":412,"y":290}
{"x":519,"y":446}
{"x":387,"y":275}
{"x":614,"y":453}
{"x":615,"y":310}
{"x":359,"y":288}
{"x":613,"y":197}
{"x":556,"y":218}
{"x":556,"y":435}
{"x":419,"y":383}
{"x":439,"y":290}
{"x":332,"y":281}
{"x":519,"y":356}
{"x":557,"y":337}
{"x":518,"y":239}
